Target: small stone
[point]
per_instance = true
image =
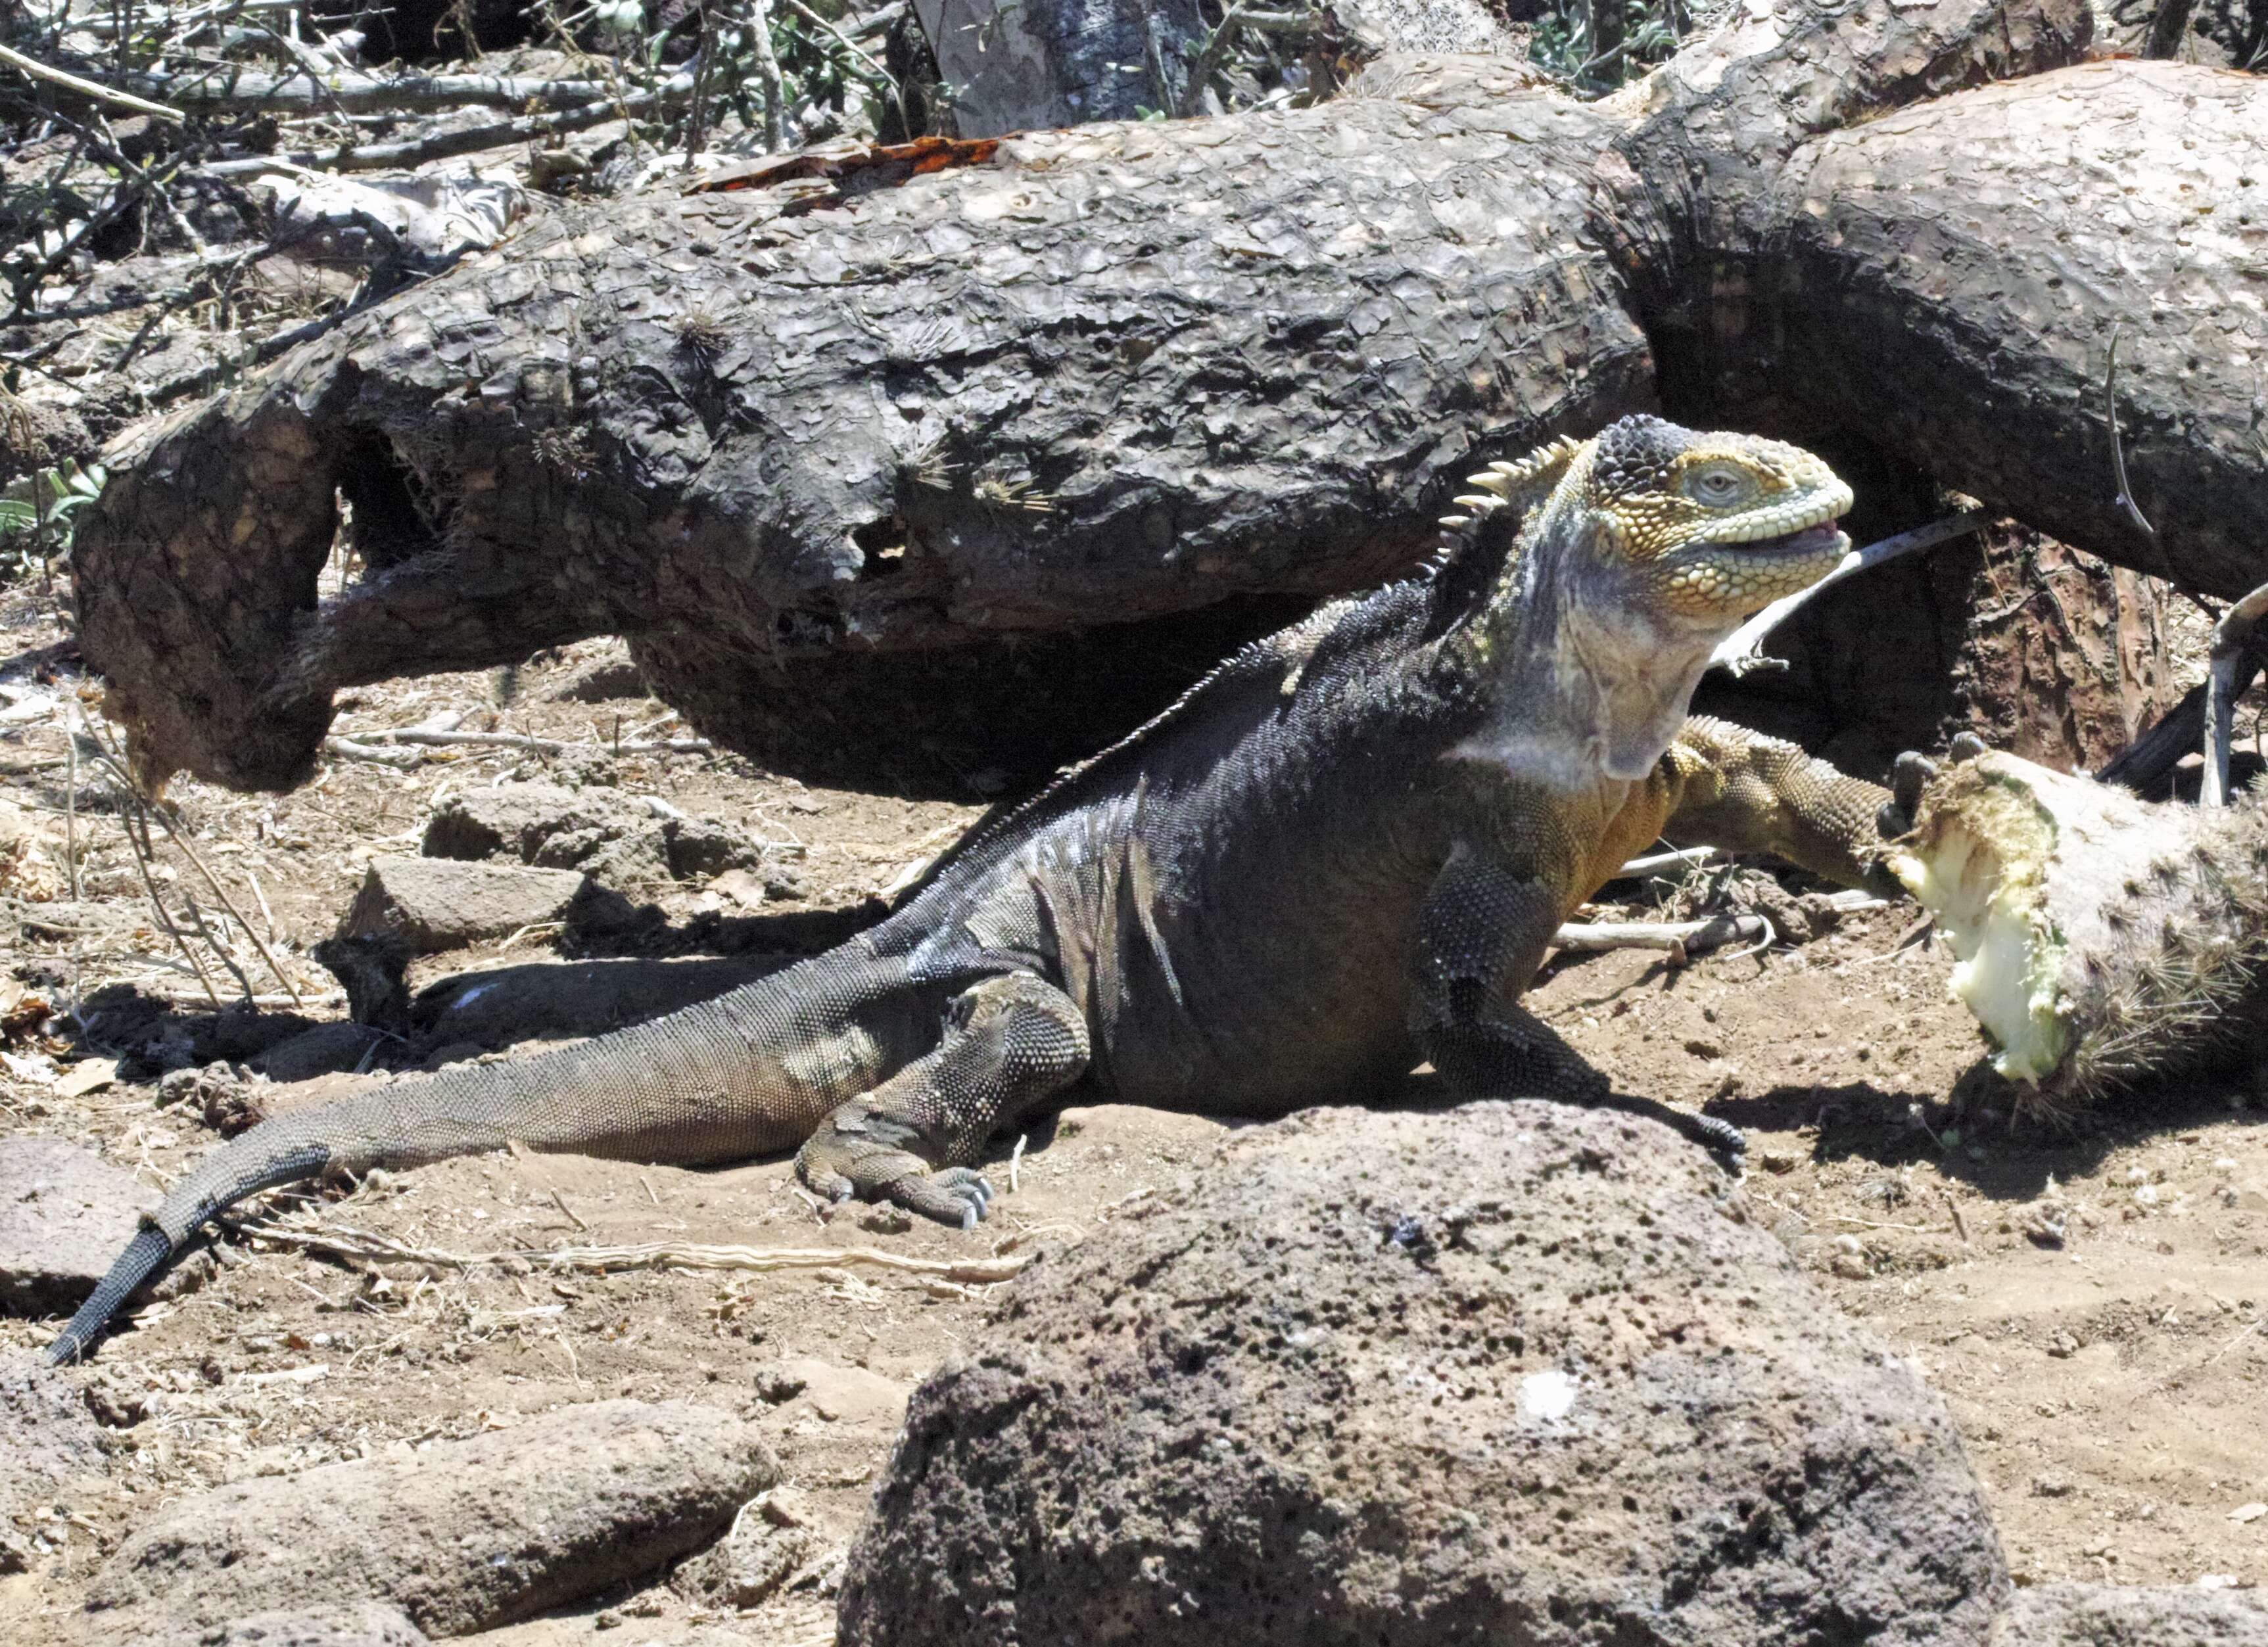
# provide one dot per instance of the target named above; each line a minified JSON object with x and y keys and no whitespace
{"x":2049,"y":1484}
{"x":2248,"y":1512}
{"x":606,"y":1619}
{"x":2063,"y":1345}
{"x":435,"y":904}
{"x":2047,"y":1224}
{"x":1791,"y":1229}
{"x":772,"y":1540}
{"x":885,"y":1220}
{"x":64,"y":1214}
{"x":1777,"y":1161}
{"x":777,"y":1384}
{"x":1702,"y":1048}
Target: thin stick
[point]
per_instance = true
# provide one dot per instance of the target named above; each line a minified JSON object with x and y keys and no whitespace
{"x":266,"y":914}
{"x":2126,"y":498}
{"x":358,"y":1244}
{"x":470,"y":140}
{"x":39,"y":71}
{"x":1201,"y":72}
{"x":1738,"y":652}
{"x":355,"y":748}
{"x":560,"y":1202}
{"x":70,"y":802}
{"x":1692,"y":857}
{"x":1686,"y":936}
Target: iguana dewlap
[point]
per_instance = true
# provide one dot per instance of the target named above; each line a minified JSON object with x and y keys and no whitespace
{"x":1342,"y":853}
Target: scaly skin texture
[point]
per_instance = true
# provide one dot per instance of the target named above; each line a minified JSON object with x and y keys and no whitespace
{"x":1342,"y":853}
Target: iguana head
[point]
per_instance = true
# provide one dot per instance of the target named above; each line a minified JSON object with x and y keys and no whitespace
{"x":1641,"y":550}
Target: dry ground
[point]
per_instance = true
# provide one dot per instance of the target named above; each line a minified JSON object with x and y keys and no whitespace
{"x":2111,"y":1387}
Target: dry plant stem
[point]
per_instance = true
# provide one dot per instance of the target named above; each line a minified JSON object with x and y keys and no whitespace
{"x":1209,"y":58}
{"x":1739,"y":650}
{"x":39,"y":71}
{"x":142,"y":849}
{"x":229,"y":904}
{"x":266,"y":914}
{"x":361,"y":1245}
{"x":2230,"y":638}
{"x":71,"y":801}
{"x":227,"y":957}
{"x":817,"y":21}
{"x":140,"y":843}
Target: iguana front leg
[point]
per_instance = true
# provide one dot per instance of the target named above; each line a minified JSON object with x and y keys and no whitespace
{"x":1745,"y":792}
{"x":1484,"y":933}
{"x":1011,"y":1042}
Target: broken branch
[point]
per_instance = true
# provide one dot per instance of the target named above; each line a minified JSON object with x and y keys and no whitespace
{"x":2232,"y":636}
{"x":39,"y":71}
{"x":1738,"y":652}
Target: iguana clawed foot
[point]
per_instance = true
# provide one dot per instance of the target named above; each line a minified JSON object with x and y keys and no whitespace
{"x":860,"y":1150}
{"x":1910,"y":775}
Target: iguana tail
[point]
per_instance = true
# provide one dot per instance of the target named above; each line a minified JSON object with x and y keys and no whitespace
{"x":745,"y":1073}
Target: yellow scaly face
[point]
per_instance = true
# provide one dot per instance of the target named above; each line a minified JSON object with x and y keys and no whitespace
{"x":1720,"y":525}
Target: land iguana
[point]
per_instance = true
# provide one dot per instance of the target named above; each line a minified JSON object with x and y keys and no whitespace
{"x":1343,"y":852}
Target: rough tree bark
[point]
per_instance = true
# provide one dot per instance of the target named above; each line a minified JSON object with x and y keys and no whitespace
{"x":1129,"y":371}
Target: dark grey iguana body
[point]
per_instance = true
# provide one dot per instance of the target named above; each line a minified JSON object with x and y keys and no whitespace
{"x":1343,"y":853}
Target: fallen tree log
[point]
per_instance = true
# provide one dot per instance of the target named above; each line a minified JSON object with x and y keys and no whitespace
{"x":864,"y":455}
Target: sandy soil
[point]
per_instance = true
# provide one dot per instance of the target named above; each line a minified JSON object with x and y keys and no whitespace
{"x":2109,"y":1381}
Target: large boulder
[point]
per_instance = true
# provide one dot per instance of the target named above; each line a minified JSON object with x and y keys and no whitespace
{"x":1514,"y":1372}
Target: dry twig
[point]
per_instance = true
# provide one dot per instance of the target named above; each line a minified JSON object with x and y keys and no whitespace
{"x":361,"y":1245}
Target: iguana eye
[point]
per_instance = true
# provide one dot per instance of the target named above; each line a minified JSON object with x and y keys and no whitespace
{"x":1719,"y":485}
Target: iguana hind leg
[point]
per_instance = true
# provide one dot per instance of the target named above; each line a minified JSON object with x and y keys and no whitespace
{"x":1011,"y":1042}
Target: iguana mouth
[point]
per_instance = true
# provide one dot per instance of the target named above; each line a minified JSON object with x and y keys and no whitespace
{"x":1812,"y":540}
